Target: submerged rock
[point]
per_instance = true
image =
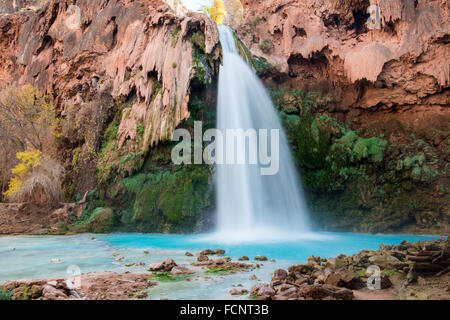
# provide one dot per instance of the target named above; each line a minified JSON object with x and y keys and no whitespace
{"x":260,"y":258}
{"x":209,"y":252}
{"x":237,"y":292}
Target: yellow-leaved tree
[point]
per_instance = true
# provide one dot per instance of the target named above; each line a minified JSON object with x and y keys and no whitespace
{"x":217,"y":11}
{"x":28,"y":127}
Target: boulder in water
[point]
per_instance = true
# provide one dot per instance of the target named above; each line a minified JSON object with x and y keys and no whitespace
{"x":260,"y":258}
{"x":179,"y":270}
{"x":164,"y":266}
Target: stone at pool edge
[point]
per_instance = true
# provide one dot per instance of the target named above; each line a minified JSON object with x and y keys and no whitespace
{"x":165,"y":266}
{"x":260,"y":258}
{"x":210,"y":252}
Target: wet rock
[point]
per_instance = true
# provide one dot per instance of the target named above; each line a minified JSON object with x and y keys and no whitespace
{"x":51,"y":293}
{"x":141,"y":295}
{"x":188,"y":254}
{"x":202,"y":258}
{"x":244,"y":258}
{"x":210,"y":252}
{"x":279,"y":274}
{"x":266,"y":291}
{"x":178,"y":270}
{"x":165,"y":266}
{"x":385,"y":282}
{"x":36,"y":291}
{"x":260,"y":258}
{"x":301,"y":268}
{"x":237,"y":292}
{"x":321,"y":292}
{"x":289,"y":293}
{"x":344,"y":278}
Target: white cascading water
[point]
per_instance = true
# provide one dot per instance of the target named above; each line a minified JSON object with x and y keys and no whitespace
{"x":252,"y":206}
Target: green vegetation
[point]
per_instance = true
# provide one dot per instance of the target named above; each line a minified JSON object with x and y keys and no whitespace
{"x":5,"y":295}
{"x":356,"y":179}
{"x":262,"y":67}
{"x":140,"y":129}
{"x":100,"y":220}
{"x":166,"y":277}
{"x":266,"y":45}
{"x":218,"y":270}
{"x":140,"y":189}
{"x":175,"y":36}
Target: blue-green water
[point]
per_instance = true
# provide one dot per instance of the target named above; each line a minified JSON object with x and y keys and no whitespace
{"x":34,"y":256}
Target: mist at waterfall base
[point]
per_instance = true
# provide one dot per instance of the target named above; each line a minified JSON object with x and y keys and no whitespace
{"x":252,"y":206}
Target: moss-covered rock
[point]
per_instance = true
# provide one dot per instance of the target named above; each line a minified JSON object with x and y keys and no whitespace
{"x":167,"y":200}
{"x":358,"y":180}
{"x":101,"y":220}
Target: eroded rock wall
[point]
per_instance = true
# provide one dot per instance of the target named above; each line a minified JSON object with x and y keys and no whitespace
{"x":91,"y":54}
{"x":123,"y":73}
{"x":327,"y":46}
{"x":386,"y":80}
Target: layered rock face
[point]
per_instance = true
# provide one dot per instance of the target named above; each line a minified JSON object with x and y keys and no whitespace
{"x":329,"y":45}
{"x":78,"y":50}
{"x":380,"y":68}
{"x":127,"y":67}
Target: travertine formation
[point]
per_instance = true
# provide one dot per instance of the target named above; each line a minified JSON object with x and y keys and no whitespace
{"x":400,"y":59}
{"x":78,"y":49}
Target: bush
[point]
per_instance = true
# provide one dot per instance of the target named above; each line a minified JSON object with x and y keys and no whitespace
{"x":217,"y":11}
{"x":28,"y":121}
{"x":29,"y":116}
{"x":266,"y":46}
{"x":37,"y":178}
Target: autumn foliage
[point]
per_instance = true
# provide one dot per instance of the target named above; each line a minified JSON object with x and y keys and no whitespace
{"x":28,"y":127}
{"x":217,"y":11}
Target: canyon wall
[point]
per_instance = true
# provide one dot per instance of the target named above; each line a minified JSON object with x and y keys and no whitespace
{"x":122,"y":73}
{"x":386,"y":79}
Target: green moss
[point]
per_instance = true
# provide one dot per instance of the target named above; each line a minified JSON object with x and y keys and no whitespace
{"x":174,"y":35}
{"x":198,"y":40}
{"x":140,"y":129}
{"x":262,"y":67}
{"x":5,"y":295}
{"x":101,"y":220}
{"x":170,"y":197}
{"x":127,"y":75}
{"x":166,"y":277}
{"x":218,"y":270}
{"x":266,"y":45}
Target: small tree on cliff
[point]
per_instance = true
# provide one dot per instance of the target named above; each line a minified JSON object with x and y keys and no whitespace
{"x":28,"y":125}
{"x":217,"y":11}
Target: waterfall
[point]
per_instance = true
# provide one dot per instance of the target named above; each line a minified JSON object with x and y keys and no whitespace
{"x":252,"y":205}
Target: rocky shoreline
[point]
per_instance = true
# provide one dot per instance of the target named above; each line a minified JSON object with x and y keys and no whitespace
{"x":406,"y":271}
{"x":419,"y":270}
